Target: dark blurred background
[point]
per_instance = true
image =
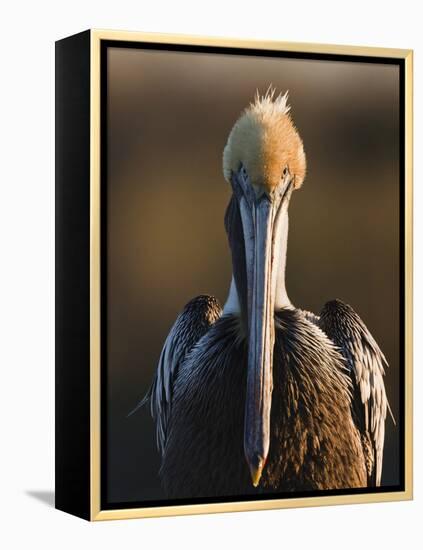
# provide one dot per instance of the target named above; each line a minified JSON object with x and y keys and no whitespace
{"x":169,"y":114}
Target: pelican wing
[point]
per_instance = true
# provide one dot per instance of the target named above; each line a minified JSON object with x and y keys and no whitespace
{"x":194,"y":321}
{"x":366,"y":364}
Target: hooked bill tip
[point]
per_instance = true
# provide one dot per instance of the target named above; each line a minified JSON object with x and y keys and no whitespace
{"x":256,"y":469}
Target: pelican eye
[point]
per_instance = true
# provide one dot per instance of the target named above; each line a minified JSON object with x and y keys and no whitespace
{"x":285,"y":171}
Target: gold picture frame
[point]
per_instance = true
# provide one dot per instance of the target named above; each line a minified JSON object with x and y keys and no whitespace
{"x":87,"y":502}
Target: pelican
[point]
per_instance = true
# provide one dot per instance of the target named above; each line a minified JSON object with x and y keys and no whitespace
{"x":265,"y":397}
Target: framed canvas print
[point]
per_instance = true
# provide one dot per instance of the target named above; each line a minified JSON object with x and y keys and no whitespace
{"x":209,"y":355}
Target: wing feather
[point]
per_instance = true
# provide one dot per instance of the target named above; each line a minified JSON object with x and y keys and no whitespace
{"x":366,"y":364}
{"x":190,"y":326}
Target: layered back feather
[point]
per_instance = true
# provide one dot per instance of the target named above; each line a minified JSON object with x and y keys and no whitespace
{"x":314,"y":442}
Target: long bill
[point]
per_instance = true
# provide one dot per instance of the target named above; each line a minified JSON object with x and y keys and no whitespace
{"x":258,"y":231}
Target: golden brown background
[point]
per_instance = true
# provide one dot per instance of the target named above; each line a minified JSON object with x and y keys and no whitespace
{"x":169,"y":114}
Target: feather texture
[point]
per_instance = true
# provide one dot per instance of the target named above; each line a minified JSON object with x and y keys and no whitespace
{"x":315,"y":444}
{"x":366,"y":364}
{"x":195,"y":320}
{"x":264,"y":139}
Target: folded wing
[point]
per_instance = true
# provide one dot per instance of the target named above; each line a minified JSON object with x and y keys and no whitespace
{"x":366,"y":364}
{"x":194,"y":321}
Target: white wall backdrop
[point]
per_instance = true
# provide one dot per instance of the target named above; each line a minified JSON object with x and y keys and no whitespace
{"x":27,"y":36}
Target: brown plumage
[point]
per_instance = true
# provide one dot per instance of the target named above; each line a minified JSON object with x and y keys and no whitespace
{"x":264,"y":397}
{"x":314,"y":443}
{"x":365,"y":362}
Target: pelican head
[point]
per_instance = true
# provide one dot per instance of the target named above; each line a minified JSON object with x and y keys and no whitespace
{"x":264,"y":162}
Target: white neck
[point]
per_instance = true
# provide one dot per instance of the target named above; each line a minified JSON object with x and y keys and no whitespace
{"x":282,"y":300}
{"x":232,"y":305}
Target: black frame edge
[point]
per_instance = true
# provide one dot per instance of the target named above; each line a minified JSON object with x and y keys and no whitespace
{"x":72,"y":271}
